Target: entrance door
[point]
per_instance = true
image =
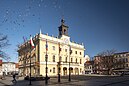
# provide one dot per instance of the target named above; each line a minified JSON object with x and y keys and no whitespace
{"x":65,"y":71}
{"x":76,"y":71}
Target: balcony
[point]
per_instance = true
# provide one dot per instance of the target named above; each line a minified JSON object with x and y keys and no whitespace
{"x":71,"y":63}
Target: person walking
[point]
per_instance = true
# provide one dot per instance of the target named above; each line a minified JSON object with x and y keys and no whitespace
{"x":14,"y":78}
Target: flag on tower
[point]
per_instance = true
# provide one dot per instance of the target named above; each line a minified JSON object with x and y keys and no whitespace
{"x":31,"y":42}
{"x":46,"y":45}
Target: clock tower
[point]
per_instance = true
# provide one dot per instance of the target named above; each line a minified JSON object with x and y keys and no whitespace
{"x":63,"y":29}
{"x":63,"y":32}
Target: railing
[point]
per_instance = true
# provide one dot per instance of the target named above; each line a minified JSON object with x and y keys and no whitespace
{"x":71,"y":63}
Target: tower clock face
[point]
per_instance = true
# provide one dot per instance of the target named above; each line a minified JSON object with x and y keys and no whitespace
{"x":66,"y":41}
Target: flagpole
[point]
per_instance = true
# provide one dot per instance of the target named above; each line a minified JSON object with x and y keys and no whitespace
{"x":69,"y":63}
{"x":46,"y":56}
{"x":30,"y":63}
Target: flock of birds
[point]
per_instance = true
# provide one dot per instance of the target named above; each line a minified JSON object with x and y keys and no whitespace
{"x":17,"y":18}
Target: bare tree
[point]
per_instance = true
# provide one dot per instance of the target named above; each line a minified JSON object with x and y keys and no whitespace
{"x":3,"y":43}
{"x":107,"y":61}
{"x":107,"y":53}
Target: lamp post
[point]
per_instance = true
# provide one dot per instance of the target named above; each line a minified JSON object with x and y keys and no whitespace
{"x":70,"y":51}
{"x":59,"y":72}
{"x":69,"y":70}
{"x":31,"y":47}
{"x":59,"y":64}
{"x":46,"y":79}
{"x":46,"y":56}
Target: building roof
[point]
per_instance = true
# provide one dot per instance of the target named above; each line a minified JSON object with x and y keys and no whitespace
{"x":51,"y":38}
{"x":8,"y":62}
{"x":89,"y":62}
{"x":122,"y":53}
{"x":114,"y":54}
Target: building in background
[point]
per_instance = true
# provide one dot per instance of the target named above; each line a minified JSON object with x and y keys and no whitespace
{"x":9,"y":68}
{"x":16,"y":68}
{"x":118,"y":62}
{"x":123,"y":65}
{"x":60,"y":51}
{"x":88,"y":67}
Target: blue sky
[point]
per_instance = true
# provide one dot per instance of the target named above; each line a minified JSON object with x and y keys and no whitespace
{"x":99,"y":24}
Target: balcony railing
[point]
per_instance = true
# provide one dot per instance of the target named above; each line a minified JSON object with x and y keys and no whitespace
{"x":71,"y":63}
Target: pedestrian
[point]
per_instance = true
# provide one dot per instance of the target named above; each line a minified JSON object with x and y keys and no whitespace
{"x":14,"y":78}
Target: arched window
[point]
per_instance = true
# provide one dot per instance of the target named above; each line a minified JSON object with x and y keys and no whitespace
{"x":80,"y":70}
{"x":80,"y":53}
{"x":76,"y":60}
{"x":71,"y":59}
{"x":53,"y":69}
{"x":64,"y":31}
{"x":53,"y":58}
{"x":60,"y":58}
{"x":50,"y":70}
{"x":65,"y":59}
{"x":80,"y":61}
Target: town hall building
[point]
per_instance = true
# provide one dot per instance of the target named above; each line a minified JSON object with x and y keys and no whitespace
{"x":61,"y":53}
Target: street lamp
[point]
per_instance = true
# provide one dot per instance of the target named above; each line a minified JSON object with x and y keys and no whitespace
{"x":59,"y":64}
{"x":59,"y":72}
{"x":46,"y":79}
{"x":46,"y":56}
{"x":69,"y":70}
{"x":70,"y":52}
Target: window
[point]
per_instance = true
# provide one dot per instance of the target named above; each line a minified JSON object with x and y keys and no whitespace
{"x":53,"y":47}
{"x":65,"y":50}
{"x":64,"y":31}
{"x":76,"y":60}
{"x":126,"y":65}
{"x":60,"y":58}
{"x":126,"y":59}
{"x":65,"y":59}
{"x":53,"y":58}
{"x":71,"y":52}
{"x":75,"y":52}
{"x":53,"y":69}
{"x":71,"y":59}
{"x":80,"y":53}
{"x":80,"y":61}
{"x":80,"y":70}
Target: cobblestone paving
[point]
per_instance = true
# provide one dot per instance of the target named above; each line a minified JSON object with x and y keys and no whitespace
{"x":75,"y":81}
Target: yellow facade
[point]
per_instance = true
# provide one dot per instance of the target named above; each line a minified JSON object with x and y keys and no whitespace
{"x":55,"y":59}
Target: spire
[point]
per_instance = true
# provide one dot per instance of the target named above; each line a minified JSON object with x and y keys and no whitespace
{"x":62,"y":21}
